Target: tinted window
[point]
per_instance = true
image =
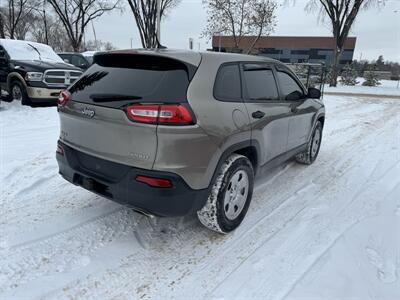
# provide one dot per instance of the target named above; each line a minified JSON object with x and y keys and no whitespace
{"x":78,"y":61}
{"x":66,"y":57}
{"x":116,"y":81}
{"x":227,"y":83}
{"x":289,"y":87}
{"x":260,"y":83}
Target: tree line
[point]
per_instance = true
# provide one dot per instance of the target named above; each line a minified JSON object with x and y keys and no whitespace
{"x":62,"y":23}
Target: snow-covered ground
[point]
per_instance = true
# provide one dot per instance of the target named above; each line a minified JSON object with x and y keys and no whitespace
{"x":326,"y":231}
{"x":387,"y":87}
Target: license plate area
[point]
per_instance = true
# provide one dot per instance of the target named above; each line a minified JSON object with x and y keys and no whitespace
{"x":92,"y":185}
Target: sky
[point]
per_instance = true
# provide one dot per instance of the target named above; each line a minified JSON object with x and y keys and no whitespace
{"x":377,"y":29}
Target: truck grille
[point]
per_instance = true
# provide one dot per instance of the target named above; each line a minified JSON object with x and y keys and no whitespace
{"x":61,"y":77}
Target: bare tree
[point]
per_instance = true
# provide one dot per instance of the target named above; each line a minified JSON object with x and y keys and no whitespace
{"x":47,"y":29}
{"x":145,"y":14}
{"x":239,"y":18}
{"x":2,"y":26}
{"x":76,"y":15}
{"x":15,"y":16}
{"x":342,"y":14}
{"x":98,"y":45}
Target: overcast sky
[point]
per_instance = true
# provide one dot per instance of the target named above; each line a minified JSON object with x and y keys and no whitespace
{"x":377,"y":30}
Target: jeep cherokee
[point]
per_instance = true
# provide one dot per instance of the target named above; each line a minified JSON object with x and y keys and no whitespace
{"x":171,"y":132}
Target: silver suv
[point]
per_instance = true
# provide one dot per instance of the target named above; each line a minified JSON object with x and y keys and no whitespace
{"x":170,"y":133}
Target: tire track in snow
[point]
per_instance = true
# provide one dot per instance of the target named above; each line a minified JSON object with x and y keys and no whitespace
{"x":26,"y":262}
{"x":272,"y":292}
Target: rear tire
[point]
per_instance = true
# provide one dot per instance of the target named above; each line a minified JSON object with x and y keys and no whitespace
{"x":18,"y":92}
{"x":230,"y":196}
{"x":310,"y":154}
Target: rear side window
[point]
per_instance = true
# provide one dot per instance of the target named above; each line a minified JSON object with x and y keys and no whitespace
{"x":117,"y":80}
{"x":260,"y":83}
{"x":227,"y":83}
{"x":291,"y":90}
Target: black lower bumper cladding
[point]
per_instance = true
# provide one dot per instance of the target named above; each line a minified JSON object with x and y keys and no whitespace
{"x":117,"y":182}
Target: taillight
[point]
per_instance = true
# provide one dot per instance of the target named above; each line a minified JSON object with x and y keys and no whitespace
{"x":174,"y":114}
{"x":154,"y":182}
{"x":63,"y":98}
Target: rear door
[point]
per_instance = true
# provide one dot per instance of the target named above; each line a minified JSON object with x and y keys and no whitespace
{"x":94,"y":120}
{"x":268,"y":113}
{"x":301,"y":108}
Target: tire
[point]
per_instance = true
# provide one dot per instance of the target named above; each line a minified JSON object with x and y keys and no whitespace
{"x":310,"y":154}
{"x":18,"y":92}
{"x":230,"y":195}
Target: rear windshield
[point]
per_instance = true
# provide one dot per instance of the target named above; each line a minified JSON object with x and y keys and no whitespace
{"x":117,"y":80}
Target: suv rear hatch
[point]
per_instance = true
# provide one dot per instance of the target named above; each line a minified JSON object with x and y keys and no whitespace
{"x":96,"y":118}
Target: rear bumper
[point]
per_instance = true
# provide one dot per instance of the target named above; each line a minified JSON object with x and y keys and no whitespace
{"x":117,"y":182}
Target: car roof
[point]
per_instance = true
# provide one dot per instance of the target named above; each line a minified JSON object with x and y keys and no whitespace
{"x":195,"y":57}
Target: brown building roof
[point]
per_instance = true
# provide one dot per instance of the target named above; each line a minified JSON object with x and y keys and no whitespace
{"x":318,"y":42}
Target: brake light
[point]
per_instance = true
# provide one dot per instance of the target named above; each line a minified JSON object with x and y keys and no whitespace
{"x":175,"y":114}
{"x":63,"y":98}
{"x":154,"y":182}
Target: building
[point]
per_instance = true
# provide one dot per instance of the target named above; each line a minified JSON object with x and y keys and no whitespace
{"x":290,"y":49}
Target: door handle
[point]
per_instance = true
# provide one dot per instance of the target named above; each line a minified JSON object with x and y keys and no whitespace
{"x":258,"y":114}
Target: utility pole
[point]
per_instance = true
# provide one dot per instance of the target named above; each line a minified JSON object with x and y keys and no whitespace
{"x":159,"y":21}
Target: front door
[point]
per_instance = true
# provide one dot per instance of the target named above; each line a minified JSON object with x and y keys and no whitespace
{"x":301,"y":108}
{"x":268,"y":113}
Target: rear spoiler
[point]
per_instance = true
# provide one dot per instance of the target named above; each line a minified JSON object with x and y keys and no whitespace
{"x":140,"y":60}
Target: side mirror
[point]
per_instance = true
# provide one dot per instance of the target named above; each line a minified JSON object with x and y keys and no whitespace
{"x":314,"y":93}
{"x":66,"y":60}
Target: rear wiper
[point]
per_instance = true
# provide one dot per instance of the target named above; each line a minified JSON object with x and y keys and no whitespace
{"x":112,"y":97}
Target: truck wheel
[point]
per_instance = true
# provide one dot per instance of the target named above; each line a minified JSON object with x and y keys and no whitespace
{"x":310,"y":154}
{"x":18,"y":93}
{"x":230,"y":195}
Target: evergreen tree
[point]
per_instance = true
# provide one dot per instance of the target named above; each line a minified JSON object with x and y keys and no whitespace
{"x":349,"y":75}
{"x":371,"y":78}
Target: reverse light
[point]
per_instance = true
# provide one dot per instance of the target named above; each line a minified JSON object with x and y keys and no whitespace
{"x":63,"y":98}
{"x":34,"y":76}
{"x":174,"y":114}
{"x":154,"y":182}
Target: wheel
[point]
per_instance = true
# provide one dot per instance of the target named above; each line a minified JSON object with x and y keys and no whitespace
{"x":18,"y":93}
{"x":310,"y":154}
{"x":230,"y":196}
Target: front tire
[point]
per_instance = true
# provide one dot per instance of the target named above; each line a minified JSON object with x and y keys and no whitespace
{"x":18,"y":93}
{"x":310,"y":154}
{"x":230,"y":196}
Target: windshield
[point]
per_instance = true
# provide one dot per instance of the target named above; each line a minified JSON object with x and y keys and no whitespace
{"x":23,"y":50}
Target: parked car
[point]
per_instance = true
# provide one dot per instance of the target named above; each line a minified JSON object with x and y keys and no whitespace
{"x":76,"y":59}
{"x":89,"y":55}
{"x":32,"y":72}
{"x":170,"y":133}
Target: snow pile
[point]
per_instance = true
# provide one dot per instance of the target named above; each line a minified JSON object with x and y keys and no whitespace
{"x":326,"y":231}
